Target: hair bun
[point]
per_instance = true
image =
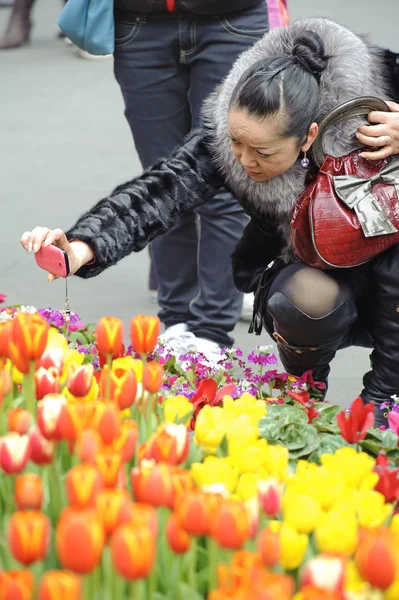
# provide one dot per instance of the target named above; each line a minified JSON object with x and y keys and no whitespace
{"x":309,"y":53}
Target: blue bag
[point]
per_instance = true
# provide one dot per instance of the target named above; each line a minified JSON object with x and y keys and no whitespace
{"x":90,"y":25}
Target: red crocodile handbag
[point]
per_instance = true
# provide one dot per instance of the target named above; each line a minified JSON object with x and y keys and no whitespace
{"x":350,"y":213}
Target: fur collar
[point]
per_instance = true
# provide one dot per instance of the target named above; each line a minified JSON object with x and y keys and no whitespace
{"x":353,"y":70}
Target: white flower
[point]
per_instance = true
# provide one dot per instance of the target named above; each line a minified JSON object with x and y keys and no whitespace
{"x":265,"y":349}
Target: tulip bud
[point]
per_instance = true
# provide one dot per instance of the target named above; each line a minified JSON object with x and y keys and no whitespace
{"x":194,"y":511}
{"x":152,"y":484}
{"x":178,"y":539}
{"x":107,"y":422}
{"x":153,"y":376}
{"x":52,"y":358}
{"x":376,"y":559}
{"x":29,"y":492}
{"x":79,"y":379}
{"x":5,"y":338}
{"x":120,"y":384}
{"x":29,"y":536}
{"x":41,"y":450}
{"x":127,"y":441}
{"x":79,"y":540}
{"x":89,"y":445}
{"x":14,"y":453}
{"x":109,"y":465}
{"x":269,"y":548}
{"x":114,"y":508}
{"x":19,"y":420}
{"x":270,"y":492}
{"x":133,"y":551}
{"x":145,"y":515}
{"x":29,"y":335}
{"x":16,"y":585}
{"x":109,"y":336}
{"x":47,"y":382}
{"x":48,"y":416}
{"x":77,"y":417}
{"x":144,"y":333}
{"x":59,"y":585}
{"x":230,"y":525}
{"x":170,"y":444}
{"x":83,"y":483}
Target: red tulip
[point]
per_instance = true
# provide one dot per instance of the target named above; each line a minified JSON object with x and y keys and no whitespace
{"x":270,"y":492}
{"x":109,"y":336}
{"x":19,"y":420}
{"x":89,"y":444}
{"x":41,"y":450}
{"x":388,"y":480}
{"x":144,"y":332}
{"x":269,"y":547}
{"x":79,"y":379}
{"x":49,"y":416}
{"x":47,"y":382}
{"x":52,"y":358}
{"x":354,"y":426}
{"x":170,"y":444}
{"x":29,"y":492}
{"x":29,"y":536}
{"x":178,"y":539}
{"x":5,"y":338}
{"x":16,"y":585}
{"x":194,"y":511}
{"x":14,"y":453}
{"x":152,"y":484}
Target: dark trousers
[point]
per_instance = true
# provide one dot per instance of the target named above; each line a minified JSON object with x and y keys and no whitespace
{"x":166,"y":65}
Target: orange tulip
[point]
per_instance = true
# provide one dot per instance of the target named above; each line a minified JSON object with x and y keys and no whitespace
{"x":144,"y":332}
{"x":83,"y":483}
{"x":14,"y":453}
{"x":79,"y":379}
{"x":310,"y":592}
{"x":109,"y":465}
{"x":47,"y":382}
{"x":152,"y":484}
{"x":29,"y":536}
{"x":5,"y":383}
{"x":89,"y":444}
{"x":79,"y":540}
{"x":29,"y":492}
{"x":153,"y":376}
{"x":133,"y":551}
{"x":76,"y":417}
{"x":16,"y":585}
{"x":49,"y":416}
{"x":109,"y":336}
{"x":127,"y":441}
{"x":41,"y":450}
{"x":230,"y":525}
{"x":144,"y":515}
{"x":183,"y":483}
{"x":29,"y":339}
{"x":178,"y":539}
{"x":376,"y":558}
{"x":107,"y":422}
{"x":169,"y":444}
{"x":269,"y":547}
{"x":60,"y":585}
{"x":114,"y":508}
{"x":19,"y":420}
{"x":122,"y":384}
{"x":194,"y":511}
{"x":5,"y":338}
{"x":52,"y":358}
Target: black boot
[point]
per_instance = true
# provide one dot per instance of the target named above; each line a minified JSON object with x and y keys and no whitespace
{"x":19,"y":25}
{"x":320,"y":338}
{"x":382,"y":382}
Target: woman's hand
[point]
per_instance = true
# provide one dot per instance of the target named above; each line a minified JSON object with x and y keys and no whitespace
{"x":385,"y":134}
{"x":79,"y":253}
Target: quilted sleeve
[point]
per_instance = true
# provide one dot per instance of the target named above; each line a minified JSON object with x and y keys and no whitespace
{"x":139,"y":210}
{"x":260,"y":245}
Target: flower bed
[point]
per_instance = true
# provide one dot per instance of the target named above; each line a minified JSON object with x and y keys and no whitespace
{"x":130,"y":474}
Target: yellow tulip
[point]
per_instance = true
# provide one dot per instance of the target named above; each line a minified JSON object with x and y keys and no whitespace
{"x":91,"y":395}
{"x":355,"y":468}
{"x":128,"y":362}
{"x":248,"y":457}
{"x":372,"y":510}
{"x":210,"y":428}
{"x":293,"y":545}
{"x":324,"y":486}
{"x":247,"y":405}
{"x":355,"y":587}
{"x":55,"y":339}
{"x":301,"y":511}
{"x":177,"y":408}
{"x":337,"y":532}
{"x":247,"y":487}
{"x":214,"y":472}
{"x":392,"y":593}
{"x":241,"y":428}
{"x":275,"y":461}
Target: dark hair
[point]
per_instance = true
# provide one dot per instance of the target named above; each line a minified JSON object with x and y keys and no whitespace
{"x":289,"y":84}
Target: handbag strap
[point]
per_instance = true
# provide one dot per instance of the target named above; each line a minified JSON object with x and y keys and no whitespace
{"x":353,"y":108}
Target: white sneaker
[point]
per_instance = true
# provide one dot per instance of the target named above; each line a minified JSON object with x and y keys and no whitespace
{"x":247,"y":308}
{"x":84,"y":54}
{"x":181,"y":341}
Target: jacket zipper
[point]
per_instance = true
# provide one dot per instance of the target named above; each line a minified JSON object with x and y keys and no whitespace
{"x":171,"y":5}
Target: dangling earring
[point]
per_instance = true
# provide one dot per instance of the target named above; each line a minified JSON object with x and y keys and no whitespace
{"x":305,"y":161}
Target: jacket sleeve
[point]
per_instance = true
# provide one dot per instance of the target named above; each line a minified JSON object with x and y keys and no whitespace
{"x":138,"y":211}
{"x":259,"y":246}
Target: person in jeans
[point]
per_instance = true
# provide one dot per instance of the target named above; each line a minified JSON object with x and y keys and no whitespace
{"x":169,"y":56}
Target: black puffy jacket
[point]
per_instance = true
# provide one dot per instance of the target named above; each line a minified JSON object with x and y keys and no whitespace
{"x":199,"y":7}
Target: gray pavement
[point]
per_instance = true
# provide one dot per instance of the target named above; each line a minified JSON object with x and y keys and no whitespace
{"x":64,"y":144}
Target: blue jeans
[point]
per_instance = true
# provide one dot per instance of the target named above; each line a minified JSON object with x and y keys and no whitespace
{"x":166,"y":65}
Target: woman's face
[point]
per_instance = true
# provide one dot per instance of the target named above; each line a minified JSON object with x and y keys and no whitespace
{"x":259,"y":147}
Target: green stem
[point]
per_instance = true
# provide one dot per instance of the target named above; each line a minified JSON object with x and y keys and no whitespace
{"x":212,"y":563}
{"x":29,"y":389}
{"x":108,"y":383}
{"x":55,"y":488}
{"x":151,"y":584}
{"x":192,"y":575}
{"x":136,"y":590}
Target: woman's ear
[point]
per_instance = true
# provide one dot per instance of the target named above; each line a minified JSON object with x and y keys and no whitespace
{"x":312,"y":135}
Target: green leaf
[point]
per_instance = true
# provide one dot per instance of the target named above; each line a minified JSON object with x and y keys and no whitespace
{"x":329,"y":444}
{"x":294,"y":415}
{"x":312,"y":443}
{"x":371,"y":446}
{"x":77,"y":336}
{"x":389,"y":439}
{"x":328,"y":412}
{"x":269,"y":428}
{"x":294,"y":437}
